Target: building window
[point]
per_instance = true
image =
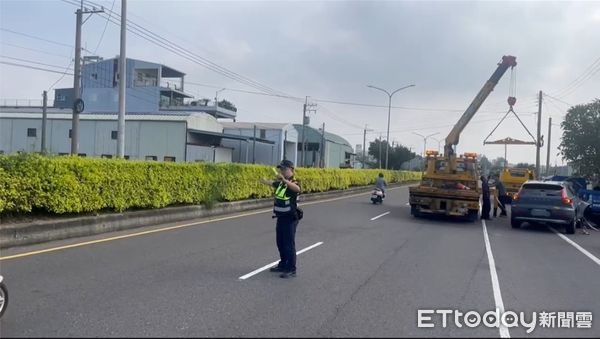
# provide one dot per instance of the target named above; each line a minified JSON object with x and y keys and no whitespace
{"x":107,"y":156}
{"x":169,"y":159}
{"x":263,"y":133}
{"x":61,"y":98}
{"x":70,"y":133}
{"x":94,"y":76}
{"x":152,"y":157}
{"x":113,"y":135}
{"x":32,"y":132}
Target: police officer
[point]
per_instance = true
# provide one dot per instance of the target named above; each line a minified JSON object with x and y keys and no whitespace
{"x":502,"y":197}
{"x":285,"y":210}
{"x":485,"y":195}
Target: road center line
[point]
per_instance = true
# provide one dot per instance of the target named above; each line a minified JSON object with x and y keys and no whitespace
{"x":495,"y":284}
{"x":255,"y":272}
{"x":574,"y":244}
{"x":379,"y":216}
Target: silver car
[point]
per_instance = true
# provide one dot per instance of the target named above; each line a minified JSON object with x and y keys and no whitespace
{"x":553,"y":202}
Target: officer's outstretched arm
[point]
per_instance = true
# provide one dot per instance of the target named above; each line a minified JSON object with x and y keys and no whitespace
{"x":266,"y":182}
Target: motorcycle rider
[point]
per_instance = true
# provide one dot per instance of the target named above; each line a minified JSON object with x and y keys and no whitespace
{"x":381,"y":184}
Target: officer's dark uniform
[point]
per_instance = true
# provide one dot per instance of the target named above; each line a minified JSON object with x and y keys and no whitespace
{"x":485,"y":193}
{"x":285,"y":210}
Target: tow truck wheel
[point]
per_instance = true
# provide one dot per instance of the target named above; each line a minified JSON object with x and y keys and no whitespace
{"x":472,"y":215}
{"x":414,"y":211}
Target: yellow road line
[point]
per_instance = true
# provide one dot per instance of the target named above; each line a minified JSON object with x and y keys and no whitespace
{"x":53,"y":249}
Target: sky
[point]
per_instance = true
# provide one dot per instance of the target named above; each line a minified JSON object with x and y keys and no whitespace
{"x":331,"y":51}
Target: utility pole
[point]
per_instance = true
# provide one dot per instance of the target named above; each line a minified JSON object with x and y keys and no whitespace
{"x":539,"y":131}
{"x":548,"y":141}
{"x":379,"y":150}
{"x":364,"y":145}
{"x":122,"y":82}
{"x":44,"y":121}
{"x":254,"y":146}
{"x":284,"y":145}
{"x":303,"y":126}
{"x":76,"y":81}
{"x":77,"y":77}
{"x":322,"y":157}
{"x":307,"y":108}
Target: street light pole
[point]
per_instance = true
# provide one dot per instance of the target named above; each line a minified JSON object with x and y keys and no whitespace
{"x":425,"y":143}
{"x":389,"y":113}
{"x":217,"y":101}
{"x":438,"y":141}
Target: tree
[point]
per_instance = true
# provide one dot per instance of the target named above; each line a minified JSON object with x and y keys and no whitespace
{"x":525,"y":165}
{"x":485,"y":164}
{"x":398,"y":154}
{"x":499,"y":162}
{"x":580,"y":143}
{"x":227,"y":105}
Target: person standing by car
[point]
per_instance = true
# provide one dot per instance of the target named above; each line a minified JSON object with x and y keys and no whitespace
{"x":502,"y":197}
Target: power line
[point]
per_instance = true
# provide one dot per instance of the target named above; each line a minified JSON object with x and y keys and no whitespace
{"x":165,"y":43}
{"x":29,"y":61}
{"x":104,"y":31}
{"x":63,"y":75}
{"x":34,"y":37}
{"x":33,"y":49}
{"x":32,"y":67}
{"x":244,"y":91}
{"x":420,"y":128}
{"x":587,"y":74}
{"x":557,"y":99}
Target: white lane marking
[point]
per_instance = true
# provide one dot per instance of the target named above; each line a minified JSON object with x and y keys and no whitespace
{"x":495,"y":284}
{"x":574,"y":244}
{"x":163,"y":229}
{"x":379,"y":216}
{"x":244,"y":277}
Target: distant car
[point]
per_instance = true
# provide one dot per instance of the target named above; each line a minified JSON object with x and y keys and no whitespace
{"x":552,"y":202}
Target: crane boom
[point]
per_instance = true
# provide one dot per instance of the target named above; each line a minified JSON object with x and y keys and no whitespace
{"x":488,"y":87}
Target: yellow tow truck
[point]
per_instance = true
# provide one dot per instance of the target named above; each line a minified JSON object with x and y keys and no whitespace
{"x":513,"y":178}
{"x":449,"y":184}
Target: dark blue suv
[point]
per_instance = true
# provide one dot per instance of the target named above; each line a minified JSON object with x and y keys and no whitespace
{"x":551,"y":202}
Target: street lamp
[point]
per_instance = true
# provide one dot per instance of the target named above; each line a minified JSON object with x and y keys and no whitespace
{"x":425,"y":140}
{"x":389,"y":111}
{"x":438,"y":141}
{"x":425,"y":145}
{"x":217,"y":101}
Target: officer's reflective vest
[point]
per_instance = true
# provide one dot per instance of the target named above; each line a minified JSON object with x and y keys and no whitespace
{"x":282,"y":204}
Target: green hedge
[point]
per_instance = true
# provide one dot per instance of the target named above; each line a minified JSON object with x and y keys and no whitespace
{"x":65,"y":184}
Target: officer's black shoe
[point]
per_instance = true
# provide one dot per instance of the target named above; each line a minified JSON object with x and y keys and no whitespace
{"x":288,"y":274}
{"x":276,"y":269}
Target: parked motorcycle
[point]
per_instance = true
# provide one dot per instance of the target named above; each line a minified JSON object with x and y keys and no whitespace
{"x":377,"y":196}
{"x":3,"y":296}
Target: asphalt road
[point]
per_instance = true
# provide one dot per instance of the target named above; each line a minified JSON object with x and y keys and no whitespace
{"x":360,"y":277}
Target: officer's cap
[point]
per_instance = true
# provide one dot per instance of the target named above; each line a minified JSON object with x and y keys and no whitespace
{"x":285,"y":164}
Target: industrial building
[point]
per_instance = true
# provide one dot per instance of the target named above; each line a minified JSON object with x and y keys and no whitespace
{"x":323,"y":149}
{"x":174,"y":137}
{"x":284,"y":139}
